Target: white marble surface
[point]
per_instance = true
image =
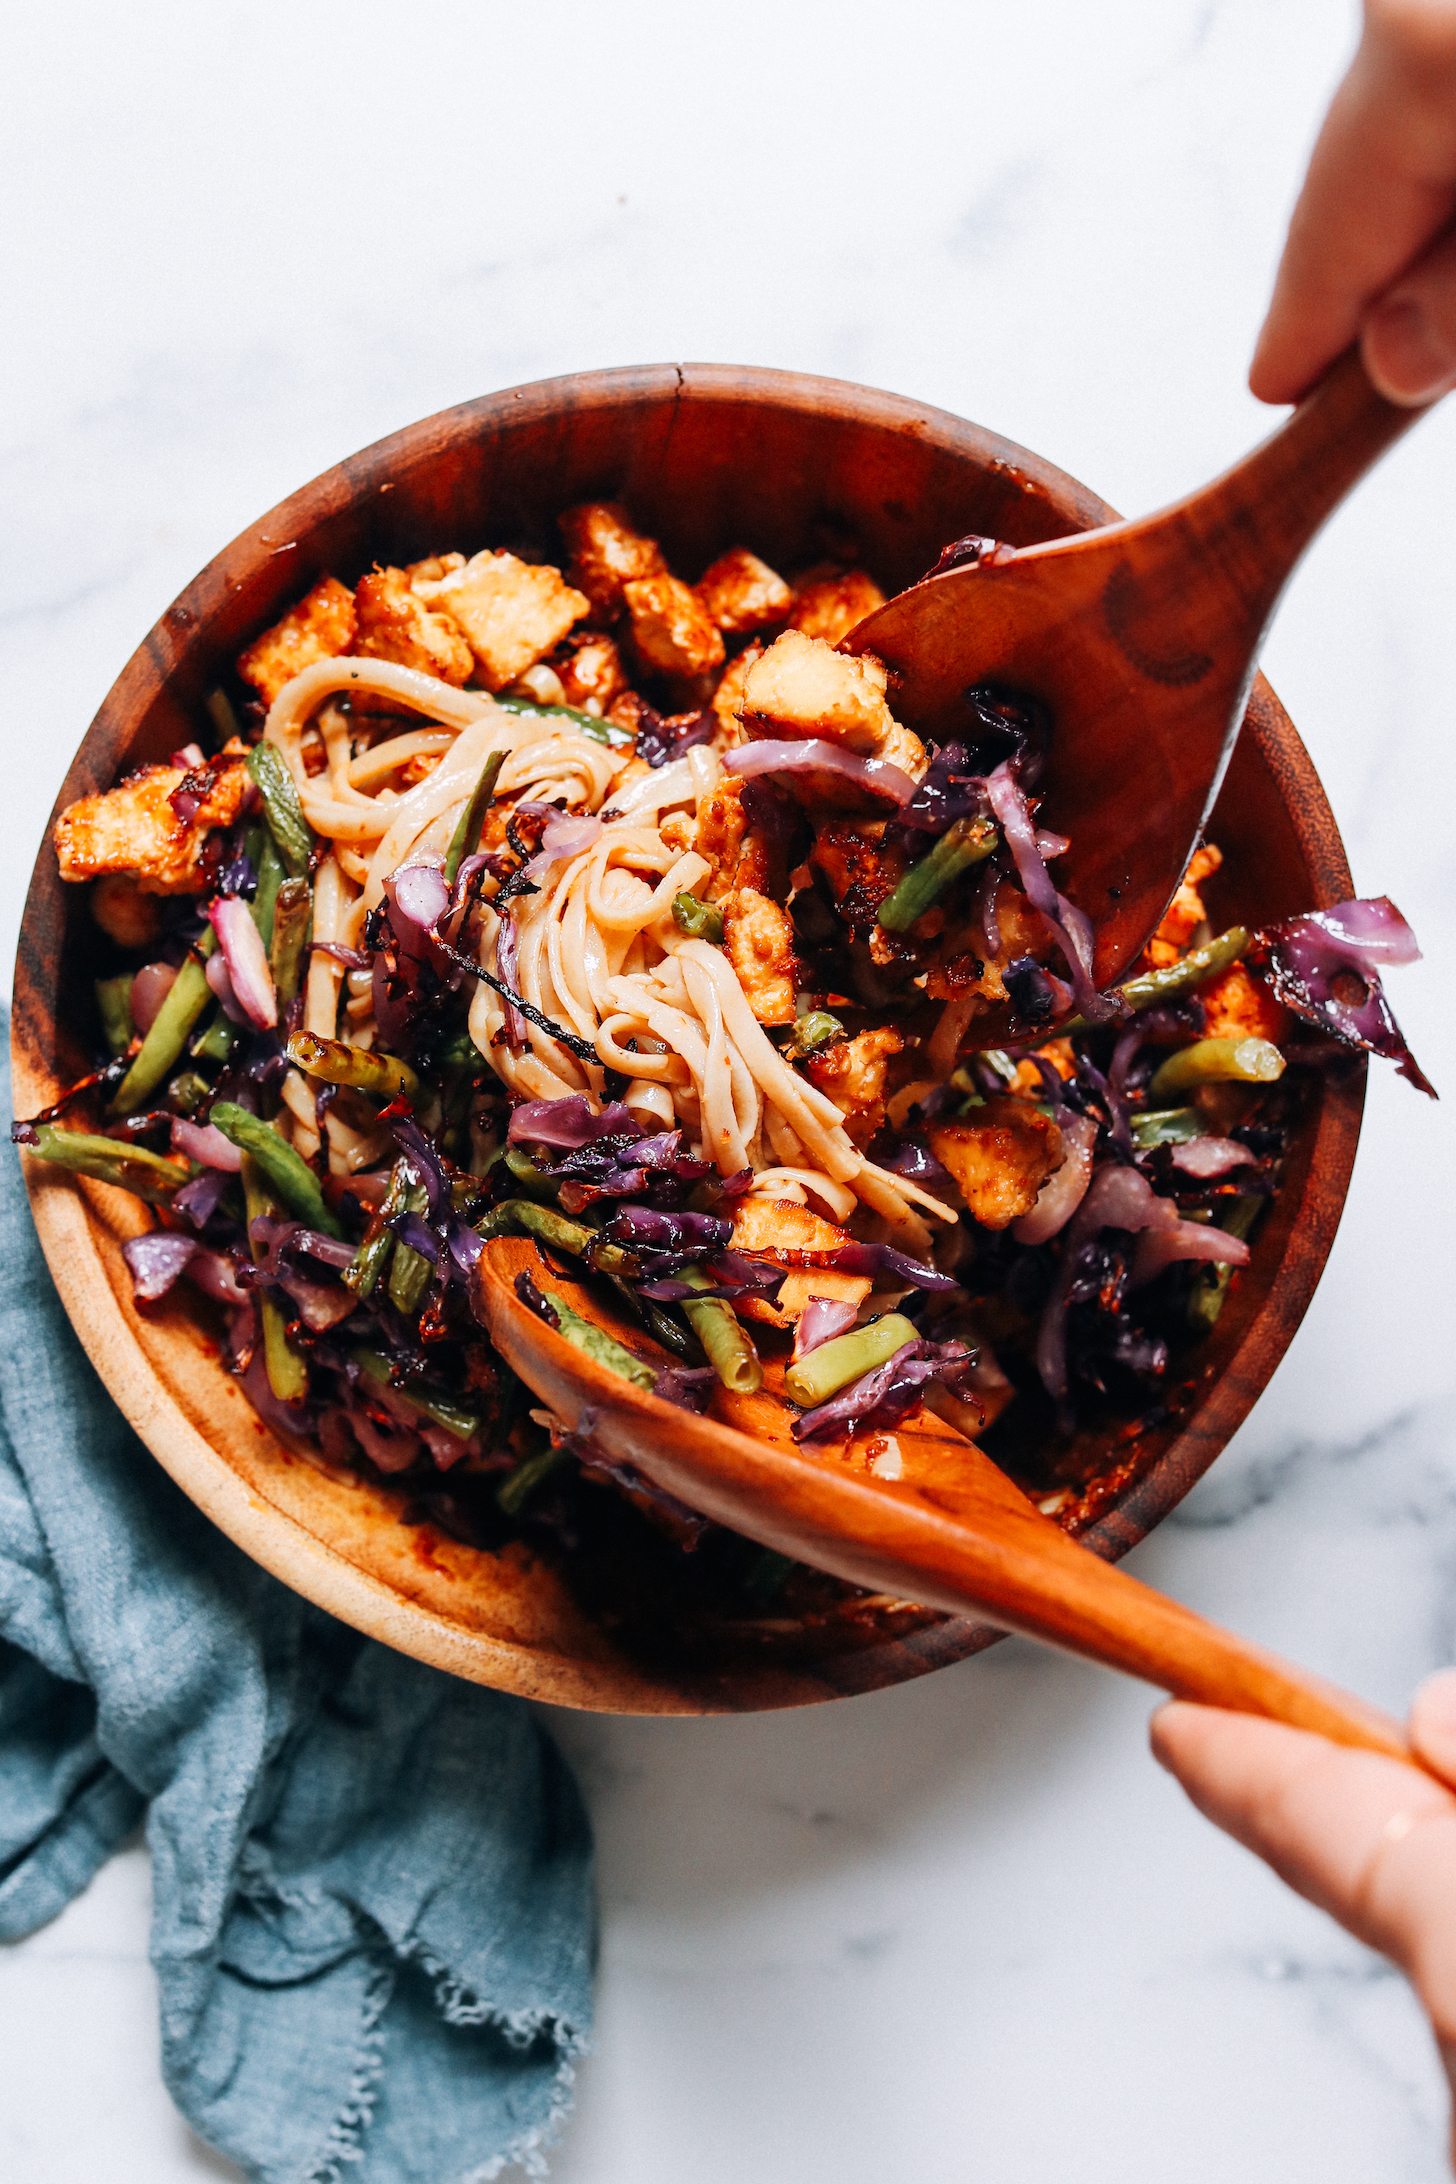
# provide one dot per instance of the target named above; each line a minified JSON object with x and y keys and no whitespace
{"x":966,"y":1930}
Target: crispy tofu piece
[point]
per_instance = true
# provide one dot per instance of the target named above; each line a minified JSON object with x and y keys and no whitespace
{"x":133,"y":829}
{"x":420,"y":575}
{"x":777,"y":1225}
{"x":1185,"y":913}
{"x":728,"y":697}
{"x":859,"y":870}
{"x":512,"y":613}
{"x":799,"y":1285}
{"x":760,"y":944}
{"x":803,"y":688}
{"x":124,"y":913}
{"x":1000,"y":1156}
{"x":669,"y":627}
{"x":320,"y":627}
{"x":394,"y":623}
{"x":828,"y":604}
{"x":592,"y":674}
{"x":742,"y":593}
{"x":722,"y":825}
{"x":1237,"y":1006}
{"x":604,"y":553}
{"x":852,"y":1074}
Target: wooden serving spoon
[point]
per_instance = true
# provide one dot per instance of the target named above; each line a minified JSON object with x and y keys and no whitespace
{"x":1142,"y":639}
{"x":921,"y":1513}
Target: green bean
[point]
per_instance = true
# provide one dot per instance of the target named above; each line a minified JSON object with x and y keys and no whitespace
{"x":188,"y":1091}
{"x":361,"y":1068}
{"x":815,"y":1030}
{"x":585,"y":724}
{"x":270,"y":878}
{"x":462,"y":1423}
{"x":1210,"y":1286}
{"x":373,"y":1254}
{"x":596,"y":1343}
{"x":969,"y":842}
{"x":107,"y":1160}
{"x":465,"y":841}
{"x":410,"y":1270}
{"x":574,"y":1236}
{"x":217,"y":1038}
{"x":292,"y":924}
{"x":113,"y":999}
{"x":1150,"y":988}
{"x":1218,"y":1061}
{"x":284,"y":1170}
{"x":224,"y":719}
{"x":187,"y":998}
{"x":837,"y":1364}
{"x":700,"y":920}
{"x":281,"y":808}
{"x":527,"y":1174}
{"x":725,"y":1343}
{"x":1166,"y":1126}
{"x":286,"y":1369}
{"x":519,"y":1485}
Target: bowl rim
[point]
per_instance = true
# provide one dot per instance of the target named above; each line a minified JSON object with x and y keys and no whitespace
{"x":64,"y":1211}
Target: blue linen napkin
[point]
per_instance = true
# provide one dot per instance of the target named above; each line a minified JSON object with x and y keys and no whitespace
{"x":373,"y":1925}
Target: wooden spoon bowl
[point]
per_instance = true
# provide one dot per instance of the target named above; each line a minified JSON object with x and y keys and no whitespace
{"x":706,"y":457}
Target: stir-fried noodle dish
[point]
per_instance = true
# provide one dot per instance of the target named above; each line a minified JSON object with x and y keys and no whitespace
{"x":583,"y":903}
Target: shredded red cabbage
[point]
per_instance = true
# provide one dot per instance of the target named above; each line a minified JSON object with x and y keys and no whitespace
{"x":822,"y":1319}
{"x":882,"y":1397}
{"x":1326,"y":968}
{"x":814,"y":755}
{"x":570,"y":1122}
{"x":1070,"y":926}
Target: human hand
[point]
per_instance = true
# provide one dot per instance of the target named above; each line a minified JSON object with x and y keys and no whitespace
{"x":1369,"y":1840}
{"x":1371,"y":253}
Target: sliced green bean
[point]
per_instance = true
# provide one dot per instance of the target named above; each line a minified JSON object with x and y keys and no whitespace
{"x":465,"y":841}
{"x":815,"y":1030}
{"x":281,"y":808}
{"x":462,"y":1423}
{"x":217,"y":1038}
{"x":574,"y":1236}
{"x":113,"y":999}
{"x":363,"y":1069}
{"x":527,"y":1174}
{"x":223,"y":718}
{"x":188,"y":1091}
{"x":725,"y":1343}
{"x":1167,"y":1126}
{"x":969,"y":842}
{"x":410,"y":1270}
{"x":517,"y":1487}
{"x":1210,"y":1285}
{"x":1150,"y":988}
{"x":286,"y":1172}
{"x":585,"y":724}
{"x":107,"y":1160}
{"x":1218,"y":1061}
{"x":292,"y":924}
{"x":159,"y":1051}
{"x":596,"y":1343}
{"x":269,"y":866}
{"x":837,"y":1364}
{"x":373,"y":1254}
{"x":699,"y":920}
{"x":287,"y":1372}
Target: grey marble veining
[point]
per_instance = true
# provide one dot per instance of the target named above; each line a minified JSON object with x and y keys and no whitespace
{"x":964,"y":1931}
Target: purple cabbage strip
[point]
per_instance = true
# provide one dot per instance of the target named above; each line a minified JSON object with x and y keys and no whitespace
{"x":821,"y":1321}
{"x":1070,"y":926}
{"x":912,"y":1158}
{"x":567,"y":1123}
{"x":876,"y":1259}
{"x":424,"y":1159}
{"x":1326,"y":968}
{"x":686,"y":1386}
{"x":411,"y":1231}
{"x":882,"y":1397}
{"x":651,"y":1229}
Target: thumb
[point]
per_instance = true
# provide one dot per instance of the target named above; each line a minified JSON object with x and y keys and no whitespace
{"x":1408,"y":338}
{"x":1433,"y":1724}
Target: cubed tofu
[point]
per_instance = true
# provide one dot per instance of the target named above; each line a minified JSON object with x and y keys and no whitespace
{"x":742,"y":593}
{"x":853,"y":1073}
{"x":320,"y":627}
{"x":798,"y":1286}
{"x":1185,"y":913}
{"x":394,"y":623}
{"x":777,"y":1225}
{"x":133,"y":829}
{"x":512,"y":613}
{"x":760,"y":944}
{"x":828,"y":604}
{"x":604,"y":553}
{"x":1000,"y":1156}
{"x":669,"y":628}
{"x":421,"y":575}
{"x":728,"y":697}
{"x":803,"y":688}
{"x":1237,"y":1006}
{"x":722,"y":825}
{"x":592,"y":674}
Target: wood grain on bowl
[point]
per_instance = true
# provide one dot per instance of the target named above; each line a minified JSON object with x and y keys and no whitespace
{"x":706,"y":457}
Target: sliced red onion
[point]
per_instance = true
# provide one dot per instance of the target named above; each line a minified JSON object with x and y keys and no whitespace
{"x":188,"y":758}
{"x":1063,"y":1192}
{"x":321,"y":1305}
{"x":878,"y":775}
{"x":215,"y":1275}
{"x":391,"y":1448}
{"x":241,"y":947}
{"x":1159,"y":1247}
{"x":199,"y":1200}
{"x":1119,"y":1198}
{"x":566,"y":1123}
{"x":353,"y":958}
{"x":155,"y":1261}
{"x":822,"y":1319}
{"x":507,"y":941}
{"x":220,"y":980}
{"x":420,"y":895}
{"x":149,"y":989}
{"x":201,"y":1142}
{"x":1208,"y":1158}
{"x":447,"y":1448}
{"x":1309,"y":960}
{"x":279,"y":1238}
{"x":292,"y":1419}
{"x":1071,"y":927}
{"x":565,"y":836}
{"x":688,"y":1387}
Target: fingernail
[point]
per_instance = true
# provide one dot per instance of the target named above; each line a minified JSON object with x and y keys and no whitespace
{"x":1433,"y":1721}
{"x":1405,"y":355}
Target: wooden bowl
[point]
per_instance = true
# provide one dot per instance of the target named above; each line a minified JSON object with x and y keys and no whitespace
{"x":706,"y":456}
